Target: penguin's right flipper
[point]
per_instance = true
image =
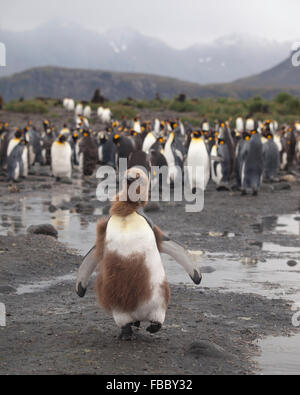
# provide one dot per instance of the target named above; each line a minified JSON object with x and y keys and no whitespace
{"x":181,"y":256}
{"x":85,"y":271}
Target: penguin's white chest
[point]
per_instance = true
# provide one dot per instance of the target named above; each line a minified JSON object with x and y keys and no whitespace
{"x":133,"y":235}
{"x":198,"y":164}
{"x":61,"y":159}
{"x":148,"y":142}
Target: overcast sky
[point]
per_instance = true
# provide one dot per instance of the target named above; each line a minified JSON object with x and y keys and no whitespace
{"x":180,"y":23}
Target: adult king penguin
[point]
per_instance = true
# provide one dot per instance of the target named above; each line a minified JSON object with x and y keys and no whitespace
{"x":198,"y":160}
{"x":271,"y":157}
{"x":61,"y":157}
{"x":252,"y":164}
{"x":131,"y":282}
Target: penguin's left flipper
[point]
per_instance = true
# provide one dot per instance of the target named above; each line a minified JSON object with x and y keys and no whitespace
{"x":85,"y":271}
{"x":181,"y":256}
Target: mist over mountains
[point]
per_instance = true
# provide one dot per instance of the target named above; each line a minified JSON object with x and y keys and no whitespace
{"x":125,"y":50}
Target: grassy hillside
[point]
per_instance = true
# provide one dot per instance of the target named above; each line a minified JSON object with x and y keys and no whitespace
{"x":284,"y":108}
{"x":80,"y":84}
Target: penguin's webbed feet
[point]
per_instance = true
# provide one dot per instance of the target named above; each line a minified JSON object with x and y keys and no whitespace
{"x":126,"y":332}
{"x":154,"y":327}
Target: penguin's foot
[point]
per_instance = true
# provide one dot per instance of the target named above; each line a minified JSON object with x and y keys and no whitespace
{"x":244,"y":193}
{"x":255,"y":192}
{"x":126,"y":332}
{"x":137,"y":324}
{"x":154,"y":327}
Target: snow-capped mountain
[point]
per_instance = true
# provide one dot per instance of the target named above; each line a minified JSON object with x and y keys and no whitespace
{"x":124,"y":49}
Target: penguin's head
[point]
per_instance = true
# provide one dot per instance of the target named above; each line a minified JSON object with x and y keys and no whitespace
{"x":174,"y":125}
{"x":135,"y":186}
{"x":116,"y":138}
{"x":85,"y":133}
{"x":253,"y":132}
{"x":61,"y":138}
{"x":221,"y":141}
{"x":246,"y":136}
{"x":75,"y":135}
{"x":133,"y":132}
{"x":196,"y":134}
{"x":18,"y":134}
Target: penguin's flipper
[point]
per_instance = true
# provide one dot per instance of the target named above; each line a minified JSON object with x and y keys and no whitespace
{"x":181,"y":256}
{"x":85,"y":271}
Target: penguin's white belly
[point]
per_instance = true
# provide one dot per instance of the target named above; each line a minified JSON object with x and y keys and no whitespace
{"x":198,"y":165}
{"x":11,"y":145}
{"x":172,"y":169}
{"x":25,"y":162}
{"x":100,"y":153}
{"x":216,"y":170}
{"x":133,"y":235}
{"x":61,"y":160}
{"x":148,"y":142}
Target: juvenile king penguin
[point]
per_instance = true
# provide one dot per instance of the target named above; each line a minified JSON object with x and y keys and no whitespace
{"x":61,"y":158}
{"x":131,"y":282}
{"x":198,"y":160}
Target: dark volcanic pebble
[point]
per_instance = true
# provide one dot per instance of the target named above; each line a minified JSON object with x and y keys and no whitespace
{"x":43,"y":229}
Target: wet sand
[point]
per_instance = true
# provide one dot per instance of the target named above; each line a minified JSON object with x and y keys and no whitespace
{"x":208,"y":330}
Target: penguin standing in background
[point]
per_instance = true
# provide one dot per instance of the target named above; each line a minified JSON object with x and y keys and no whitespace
{"x":88,"y":154}
{"x":124,"y":147}
{"x":152,"y":136}
{"x":79,"y":109}
{"x":174,"y":152}
{"x":288,"y":148}
{"x":131,"y":283}
{"x":5,"y":139}
{"x":239,"y":125}
{"x":17,"y":165}
{"x":198,"y":160}
{"x":107,"y":149}
{"x":271,"y":158}
{"x":137,"y":140}
{"x":239,"y":155}
{"x":221,"y":168}
{"x":252,"y":164}
{"x":250,"y":123}
{"x":61,"y":158}
{"x":137,"y":125}
{"x":48,"y":140}
{"x":75,"y":147}
{"x":87,"y":112}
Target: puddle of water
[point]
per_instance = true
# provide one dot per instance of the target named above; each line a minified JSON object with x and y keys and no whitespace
{"x":41,"y":286}
{"x":280,"y":355}
{"x":282,"y":224}
{"x":71,"y":227}
{"x":272,"y":247}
